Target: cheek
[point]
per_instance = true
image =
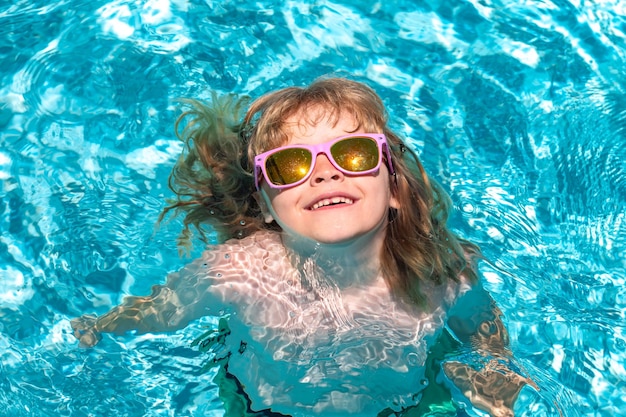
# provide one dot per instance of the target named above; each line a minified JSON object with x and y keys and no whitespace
{"x":385,"y":187}
{"x":282,"y":202}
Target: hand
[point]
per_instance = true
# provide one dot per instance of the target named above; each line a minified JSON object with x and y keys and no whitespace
{"x":493,"y":388}
{"x":85,"y":330}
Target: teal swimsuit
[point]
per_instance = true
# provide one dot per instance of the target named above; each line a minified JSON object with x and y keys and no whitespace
{"x":434,"y":400}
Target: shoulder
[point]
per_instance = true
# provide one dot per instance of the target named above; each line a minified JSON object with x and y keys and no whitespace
{"x":260,"y":257}
{"x":449,"y":292}
{"x":467,"y":280}
{"x":241,"y":270}
{"x":259,"y":245}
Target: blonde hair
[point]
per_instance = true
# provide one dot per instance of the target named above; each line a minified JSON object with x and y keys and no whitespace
{"x":214,"y":180}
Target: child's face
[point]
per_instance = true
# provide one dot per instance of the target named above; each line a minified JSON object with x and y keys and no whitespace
{"x":364,"y":200}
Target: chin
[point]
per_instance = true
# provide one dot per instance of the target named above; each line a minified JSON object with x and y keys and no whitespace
{"x":336,"y":239}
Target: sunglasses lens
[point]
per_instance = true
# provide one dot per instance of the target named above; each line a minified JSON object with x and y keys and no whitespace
{"x":356,"y":154}
{"x":288,"y":165}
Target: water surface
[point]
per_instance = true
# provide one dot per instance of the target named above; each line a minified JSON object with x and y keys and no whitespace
{"x":516,"y":107}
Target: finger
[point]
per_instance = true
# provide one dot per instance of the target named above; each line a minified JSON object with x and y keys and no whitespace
{"x":88,"y":338}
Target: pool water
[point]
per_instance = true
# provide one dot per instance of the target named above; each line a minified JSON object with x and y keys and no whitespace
{"x":518,"y":108}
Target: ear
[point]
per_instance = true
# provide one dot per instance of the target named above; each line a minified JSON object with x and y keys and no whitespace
{"x":267,"y":216}
{"x":393,"y":202}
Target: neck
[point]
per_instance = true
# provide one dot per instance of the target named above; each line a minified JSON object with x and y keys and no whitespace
{"x":354,"y":262}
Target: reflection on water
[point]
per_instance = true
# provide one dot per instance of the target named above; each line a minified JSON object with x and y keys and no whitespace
{"x":517,"y":108}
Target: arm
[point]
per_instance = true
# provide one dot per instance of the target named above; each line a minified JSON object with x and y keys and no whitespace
{"x":476,"y":321}
{"x":186,"y":296}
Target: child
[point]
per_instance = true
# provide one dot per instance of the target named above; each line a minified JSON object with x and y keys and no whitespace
{"x":336,"y":271}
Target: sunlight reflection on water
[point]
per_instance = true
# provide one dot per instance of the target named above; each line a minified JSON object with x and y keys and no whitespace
{"x":516,"y":107}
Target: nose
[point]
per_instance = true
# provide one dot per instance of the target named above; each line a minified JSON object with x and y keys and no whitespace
{"x":325,"y":171}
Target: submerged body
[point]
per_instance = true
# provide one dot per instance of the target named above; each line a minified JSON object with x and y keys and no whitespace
{"x":312,"y":347}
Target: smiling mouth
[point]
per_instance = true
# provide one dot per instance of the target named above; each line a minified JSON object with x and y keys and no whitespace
{"x":331,"y":202}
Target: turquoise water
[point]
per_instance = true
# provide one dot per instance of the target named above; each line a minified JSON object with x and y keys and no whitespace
{"x":518,"y":108}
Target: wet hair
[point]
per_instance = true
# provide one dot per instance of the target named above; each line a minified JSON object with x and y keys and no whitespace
{"x":214,"y":180}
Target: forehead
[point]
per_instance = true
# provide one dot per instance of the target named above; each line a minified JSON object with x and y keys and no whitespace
{"x":318,"y":122}
{"x":278,"y":128}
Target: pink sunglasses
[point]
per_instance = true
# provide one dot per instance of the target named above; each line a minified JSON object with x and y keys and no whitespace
{"x":355,"y":154}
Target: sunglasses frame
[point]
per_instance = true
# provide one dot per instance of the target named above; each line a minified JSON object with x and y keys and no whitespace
{"x":381,"y":143}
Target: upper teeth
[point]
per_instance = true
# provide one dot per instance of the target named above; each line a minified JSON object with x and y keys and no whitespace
{"x":329,"y":201}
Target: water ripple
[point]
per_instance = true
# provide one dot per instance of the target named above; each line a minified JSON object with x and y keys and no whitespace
{"x":516,"y":106}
